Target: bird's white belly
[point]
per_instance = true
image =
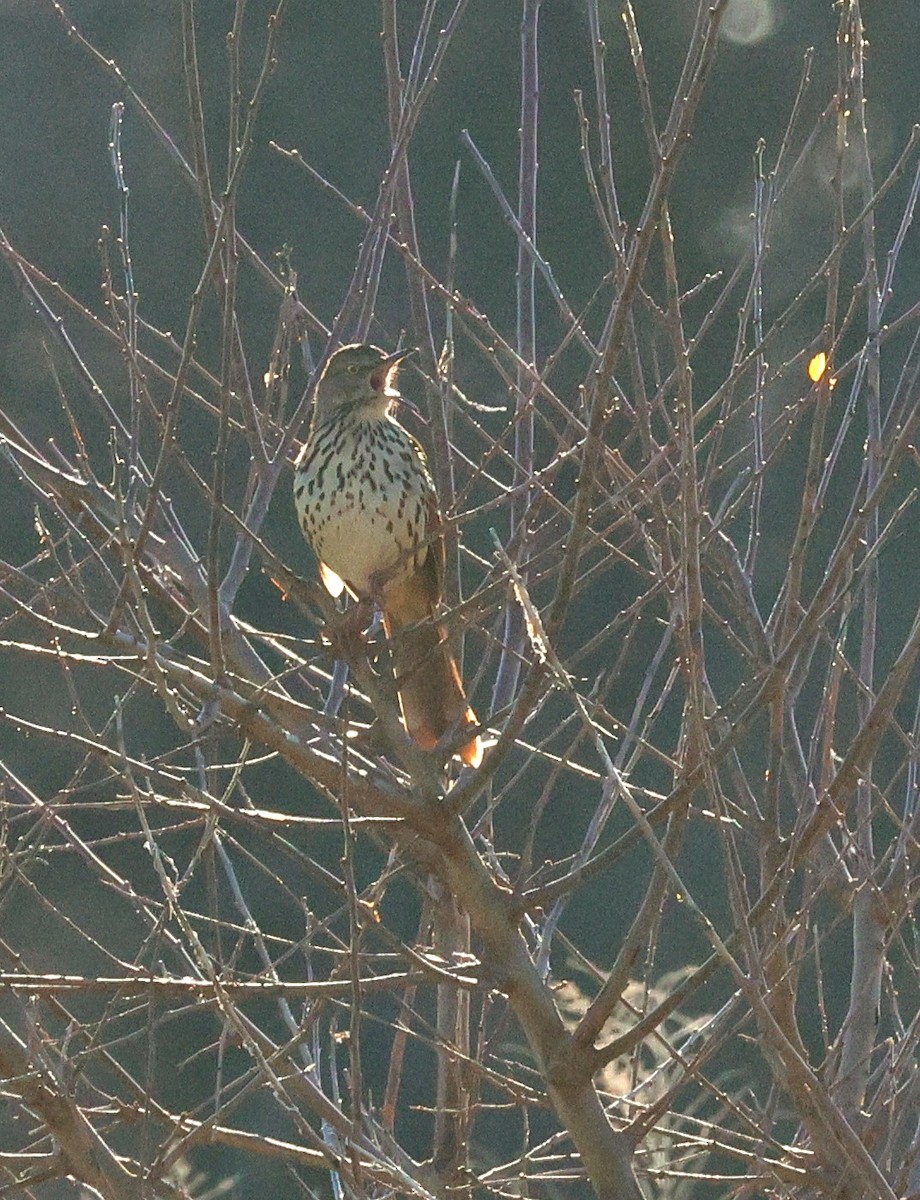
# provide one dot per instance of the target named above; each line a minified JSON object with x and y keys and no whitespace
{"x":360,"y":543}
{"x":363,"y":494}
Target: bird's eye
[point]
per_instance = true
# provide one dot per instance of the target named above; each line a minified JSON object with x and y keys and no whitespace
{"x":352,"y":368}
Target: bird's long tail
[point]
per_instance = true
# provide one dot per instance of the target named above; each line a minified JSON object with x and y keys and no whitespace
{"x":431,"y":693}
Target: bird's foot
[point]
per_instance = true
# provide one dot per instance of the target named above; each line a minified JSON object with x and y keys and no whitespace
{"x":379,"y":580}
{"x":345,"y":634}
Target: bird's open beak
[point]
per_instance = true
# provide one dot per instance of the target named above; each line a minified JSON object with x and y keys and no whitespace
{"x":388,"y":367}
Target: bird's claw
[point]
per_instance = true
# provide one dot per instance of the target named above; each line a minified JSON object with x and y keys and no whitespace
{"x":345,"y":634}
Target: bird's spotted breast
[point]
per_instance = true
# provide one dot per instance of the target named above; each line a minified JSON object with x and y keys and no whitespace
{"x":363,"y":493}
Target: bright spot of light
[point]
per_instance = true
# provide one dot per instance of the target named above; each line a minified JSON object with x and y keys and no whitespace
{"x":817,"y":366}
{"x":747,"y":22}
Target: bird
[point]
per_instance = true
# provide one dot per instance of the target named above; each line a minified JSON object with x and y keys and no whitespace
{"x":367,"y":504}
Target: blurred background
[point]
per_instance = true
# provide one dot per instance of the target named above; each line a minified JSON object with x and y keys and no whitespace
{"x":326,"y":99}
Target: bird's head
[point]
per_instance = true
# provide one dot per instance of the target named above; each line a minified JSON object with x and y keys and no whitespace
{"x":358,"y":377}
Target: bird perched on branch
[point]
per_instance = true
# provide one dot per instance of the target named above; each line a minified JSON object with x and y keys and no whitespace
{"x":368,"y":506}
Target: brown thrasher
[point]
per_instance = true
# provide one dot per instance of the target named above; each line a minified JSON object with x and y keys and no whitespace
{"x":367,"y":505}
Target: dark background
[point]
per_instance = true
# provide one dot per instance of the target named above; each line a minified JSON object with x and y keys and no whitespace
{"x":327,"y":99}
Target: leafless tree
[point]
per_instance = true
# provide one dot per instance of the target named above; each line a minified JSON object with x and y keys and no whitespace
{"x":661,"y":943}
